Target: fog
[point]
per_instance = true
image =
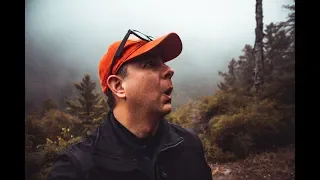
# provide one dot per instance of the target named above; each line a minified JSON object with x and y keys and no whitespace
{"x":67,"y":38}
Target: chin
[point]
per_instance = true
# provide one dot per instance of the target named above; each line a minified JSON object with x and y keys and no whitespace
{"x":167,"y":108}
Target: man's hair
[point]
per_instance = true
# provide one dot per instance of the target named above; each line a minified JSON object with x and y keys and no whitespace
{"x":122,"y":72}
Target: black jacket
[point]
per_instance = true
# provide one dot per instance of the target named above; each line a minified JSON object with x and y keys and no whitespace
{"x":175,"y":153}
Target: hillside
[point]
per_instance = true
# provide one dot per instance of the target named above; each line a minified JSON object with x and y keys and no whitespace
{"x":245,"y":135}
{"x":278,"y":164}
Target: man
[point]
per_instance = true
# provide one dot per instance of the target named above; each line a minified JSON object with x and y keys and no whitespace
{"x":135,"y":141}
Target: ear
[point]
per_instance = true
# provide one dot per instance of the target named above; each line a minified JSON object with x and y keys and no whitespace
{"x":115,"y":84}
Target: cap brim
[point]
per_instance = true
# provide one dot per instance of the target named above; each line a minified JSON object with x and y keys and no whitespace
{"x":167,"y":47}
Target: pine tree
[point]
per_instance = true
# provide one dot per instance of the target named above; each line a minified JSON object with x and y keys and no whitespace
{"x":280,"y":59}
{"x":245,"y":123}
{"x":279,"y":64}
{"x":90,"y":107}
{"x":239,"y":76}
{"x":229,"y":78}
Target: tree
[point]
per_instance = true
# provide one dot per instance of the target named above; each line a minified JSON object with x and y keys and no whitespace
{"x":90,"y":107}
{"x":280,"y":59}
{"x":279,"y":64}
{"x":49,"y":104}
{"x":239,"y":76}
{"x":258,"y":48}
{"x":229,"y":78}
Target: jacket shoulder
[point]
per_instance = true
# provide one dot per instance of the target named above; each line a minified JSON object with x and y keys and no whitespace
{"x":194,"y":144}
{"x":75,"y":160}
{"x":188,"y":134}
{"x":83,"y":150}
{"x":181,"y":130}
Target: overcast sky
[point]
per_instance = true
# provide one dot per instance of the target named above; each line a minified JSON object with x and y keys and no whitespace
{"x":76,"y":33}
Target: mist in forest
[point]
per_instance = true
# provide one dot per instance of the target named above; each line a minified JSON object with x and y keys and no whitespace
{"x":65,"y":39}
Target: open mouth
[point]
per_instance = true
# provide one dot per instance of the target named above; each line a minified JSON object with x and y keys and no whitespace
{"x":168,"y":91}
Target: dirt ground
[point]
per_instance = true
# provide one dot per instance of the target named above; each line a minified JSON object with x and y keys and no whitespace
{"x":278,"y":165}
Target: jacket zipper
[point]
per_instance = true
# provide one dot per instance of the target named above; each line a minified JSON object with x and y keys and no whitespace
{"x":156,"y":175}
{"x":162,"y":150}
{"x":172,"y":146}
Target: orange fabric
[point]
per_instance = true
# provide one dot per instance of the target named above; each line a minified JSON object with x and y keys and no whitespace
{"x":168,"y":47}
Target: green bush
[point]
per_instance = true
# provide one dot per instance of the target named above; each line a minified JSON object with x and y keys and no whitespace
{"x":197,"y":114}
{"x":241,"y":144}
{"x":212,"y":152}
{"x":45,"y":155}
{"x":232,"y":125}
{"x":257,"y":126}
{"x":56,"y":121}
{"x":48,"y":135}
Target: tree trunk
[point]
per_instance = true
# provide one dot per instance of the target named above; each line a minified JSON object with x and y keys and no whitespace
{"x":258,"y":49}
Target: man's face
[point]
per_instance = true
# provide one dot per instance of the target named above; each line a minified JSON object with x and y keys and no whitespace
{"x":148,"y":85}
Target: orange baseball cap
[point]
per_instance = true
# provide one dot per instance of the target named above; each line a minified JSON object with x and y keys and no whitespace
{"x":167,"y":47}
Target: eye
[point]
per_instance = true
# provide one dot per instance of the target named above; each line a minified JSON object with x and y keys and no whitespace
{"x":151,"y":64}
{"x":147,"y":64}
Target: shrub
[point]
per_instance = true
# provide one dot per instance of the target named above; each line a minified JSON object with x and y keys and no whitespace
{"x":232,"y":125}
{"x":56,"y":121}
{"x":212,"y":152}
{"x":47,"y":135}
{"x":197,"y":114}
{"x":34,"y":132}
{"x":49,"y":153}
{"x":254,"y":127}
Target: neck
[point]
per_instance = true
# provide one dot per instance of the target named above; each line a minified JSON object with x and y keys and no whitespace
{"x":141,"y":124}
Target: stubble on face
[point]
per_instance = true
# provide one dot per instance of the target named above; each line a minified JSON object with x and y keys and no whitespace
{"x":145,"y":87}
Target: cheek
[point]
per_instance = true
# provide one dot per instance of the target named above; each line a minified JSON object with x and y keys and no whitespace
{"x":143,"y":86}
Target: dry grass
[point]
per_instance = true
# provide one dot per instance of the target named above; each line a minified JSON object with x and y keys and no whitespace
{"x":278,"y":165}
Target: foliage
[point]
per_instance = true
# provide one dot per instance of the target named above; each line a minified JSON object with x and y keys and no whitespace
{"x":231,"y":126}
{"x":233,"y":122}
{"x":34,"y":134}
{"x":50,"y":130}
{"x":39,"y":161}
{"x":49,"y":104}
{"x":90,"y":107}
{"x":55,"y":122}
{"x":198,"y":113}
{"x":45,"y":137}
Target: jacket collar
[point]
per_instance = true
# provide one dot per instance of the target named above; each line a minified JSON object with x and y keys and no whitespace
{"x":113,"y":153}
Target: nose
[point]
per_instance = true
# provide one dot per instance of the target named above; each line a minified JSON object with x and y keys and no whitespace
{"x":168,"y":72}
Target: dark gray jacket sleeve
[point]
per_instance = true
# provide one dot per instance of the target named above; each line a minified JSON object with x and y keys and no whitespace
{"x":206,"y":172}
{"x":63,"y":168}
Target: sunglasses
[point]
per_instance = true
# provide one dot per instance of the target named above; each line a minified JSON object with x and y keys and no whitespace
{"x":123,"y":42}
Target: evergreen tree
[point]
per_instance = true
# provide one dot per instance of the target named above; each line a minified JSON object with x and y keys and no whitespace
{"x":229,"y":78}
{"x":90,"y":107}
{"x":280,"y":59}
{"x":279,"y":64}
{"x":239,"y":75}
